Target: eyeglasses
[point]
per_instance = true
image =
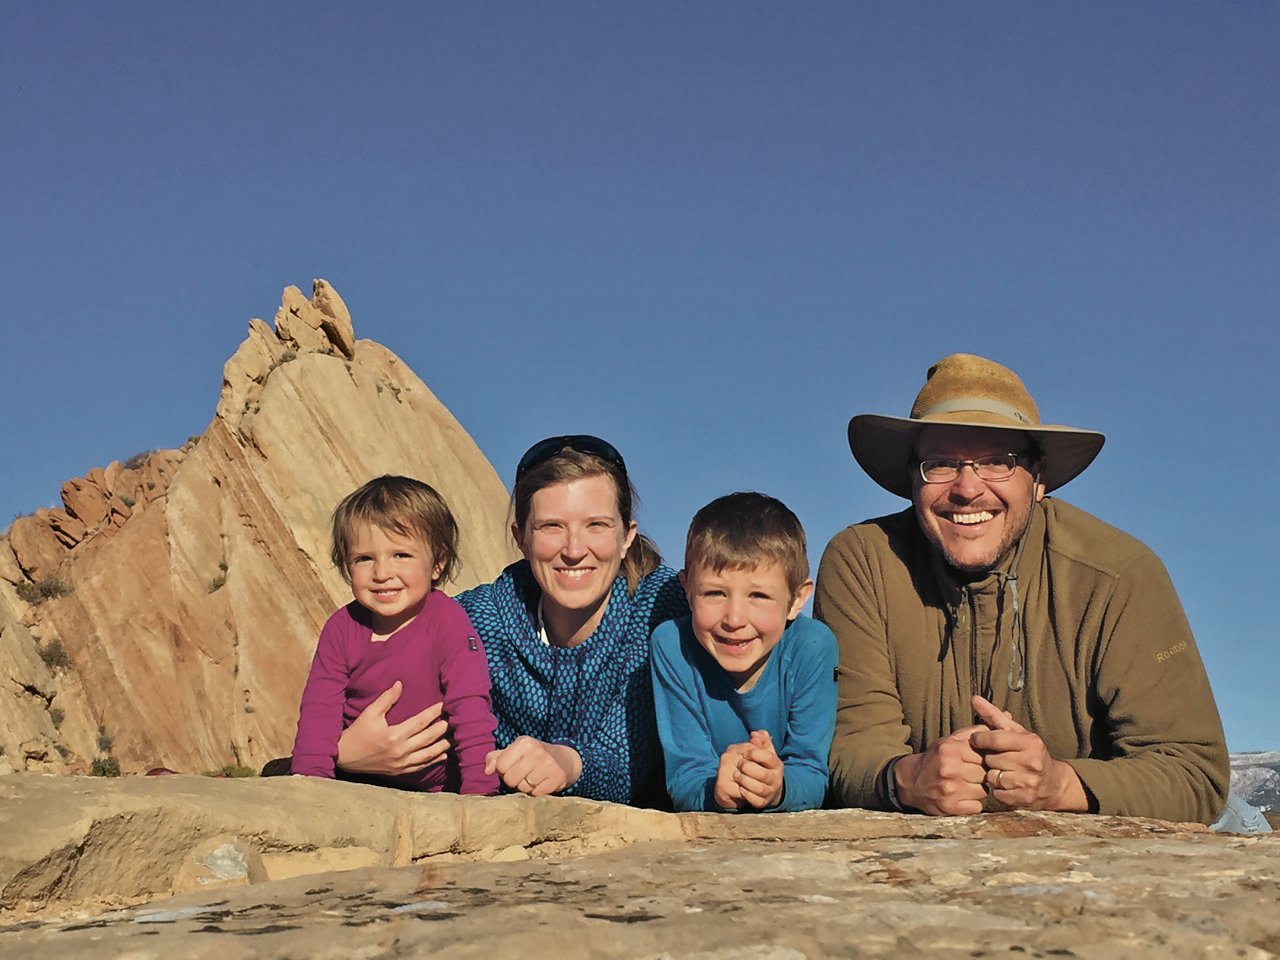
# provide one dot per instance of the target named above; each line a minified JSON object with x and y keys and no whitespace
{"x":544,"y":450}
{"x":997,"y":466}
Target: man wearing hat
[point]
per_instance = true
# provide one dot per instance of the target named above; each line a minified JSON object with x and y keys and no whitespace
{"x":1000,"y":648}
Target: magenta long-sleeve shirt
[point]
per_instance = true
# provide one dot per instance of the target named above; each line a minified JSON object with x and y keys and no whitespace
{"x":436,"y":657}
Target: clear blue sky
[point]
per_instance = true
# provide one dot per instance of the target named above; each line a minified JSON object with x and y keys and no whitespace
{"x":707,"y":232}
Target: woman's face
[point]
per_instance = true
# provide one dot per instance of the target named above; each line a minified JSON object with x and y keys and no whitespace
{"x":575,"y":540}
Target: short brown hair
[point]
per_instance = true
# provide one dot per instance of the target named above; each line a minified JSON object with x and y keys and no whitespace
{"x":401,"y":504}
{"x":568,"y":465}
{"x":740,"y":530}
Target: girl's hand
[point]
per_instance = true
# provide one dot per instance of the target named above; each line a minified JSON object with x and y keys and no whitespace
{"x":371,"y":745}
{"x":536,"y":768}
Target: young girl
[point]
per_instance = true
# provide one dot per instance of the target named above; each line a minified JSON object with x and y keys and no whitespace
{"x":395,"y":542}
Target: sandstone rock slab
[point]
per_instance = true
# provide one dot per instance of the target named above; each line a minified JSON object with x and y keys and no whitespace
{"x":1078,"y":887}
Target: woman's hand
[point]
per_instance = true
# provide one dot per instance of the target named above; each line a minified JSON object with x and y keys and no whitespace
{"x":536,"y":768}
{"x":371,"y":745}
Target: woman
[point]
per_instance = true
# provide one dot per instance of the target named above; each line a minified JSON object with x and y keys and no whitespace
{"x":566,"y":631}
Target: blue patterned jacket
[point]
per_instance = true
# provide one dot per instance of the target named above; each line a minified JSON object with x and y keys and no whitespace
{"x":596,"y":697}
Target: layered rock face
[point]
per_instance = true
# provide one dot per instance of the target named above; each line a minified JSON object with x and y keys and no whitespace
{"x":168,"y":612}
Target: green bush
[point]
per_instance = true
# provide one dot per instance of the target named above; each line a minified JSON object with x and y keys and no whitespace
{"x":105,"y":767}
{"x":105,"y":743}
{"x":46,"y":588}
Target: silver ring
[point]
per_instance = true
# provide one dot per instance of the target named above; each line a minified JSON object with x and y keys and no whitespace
{"x":999,"y":780}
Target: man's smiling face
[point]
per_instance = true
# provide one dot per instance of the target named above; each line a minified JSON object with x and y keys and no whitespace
{"x":974,"y":523}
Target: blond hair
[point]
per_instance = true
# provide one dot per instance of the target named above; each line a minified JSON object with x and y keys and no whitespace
{"x":740,"y":530}
{"x":404,"y":505}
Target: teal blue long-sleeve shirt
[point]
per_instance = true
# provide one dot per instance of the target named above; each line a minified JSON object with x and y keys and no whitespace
{"x":700,"y":714}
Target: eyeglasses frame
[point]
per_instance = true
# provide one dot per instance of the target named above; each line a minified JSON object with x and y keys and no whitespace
{"x":1018,"y":459}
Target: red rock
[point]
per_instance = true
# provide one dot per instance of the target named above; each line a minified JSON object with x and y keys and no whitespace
{"x":36,"y":546}
{"x":85,"y":500}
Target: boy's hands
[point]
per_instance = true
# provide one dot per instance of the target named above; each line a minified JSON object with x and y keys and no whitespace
{"x":727,"y":793}
{"x":750,"y":775}
{"x":760,"y":775}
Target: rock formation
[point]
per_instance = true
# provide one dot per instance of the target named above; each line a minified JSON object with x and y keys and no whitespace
{"x":294,"y":867}
{"x":1256,"y":777}
{"x":167,"y":612}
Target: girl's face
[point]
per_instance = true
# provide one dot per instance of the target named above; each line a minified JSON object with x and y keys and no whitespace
{"x":391,"y":575}
{"x":575,"y":540}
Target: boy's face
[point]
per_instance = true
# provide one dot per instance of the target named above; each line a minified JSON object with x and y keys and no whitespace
{"x":739,"y":615}
{"x":391,"y":575}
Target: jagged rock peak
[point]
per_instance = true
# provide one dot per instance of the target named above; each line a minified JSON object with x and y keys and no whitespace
{"x":319,"y":325}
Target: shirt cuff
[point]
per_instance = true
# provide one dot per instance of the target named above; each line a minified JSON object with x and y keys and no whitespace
{"x":889,"y":787}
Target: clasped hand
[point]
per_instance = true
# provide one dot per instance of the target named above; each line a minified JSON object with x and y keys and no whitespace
{"x":999,"y":757}
{"x":750,"y":775}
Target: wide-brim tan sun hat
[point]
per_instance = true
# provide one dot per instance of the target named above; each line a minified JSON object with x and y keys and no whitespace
{"x":964,"y":390}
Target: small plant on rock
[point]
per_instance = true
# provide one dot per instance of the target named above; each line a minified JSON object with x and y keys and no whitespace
{"x":56,"y":716}
{"x":38,"y":591}
{"x":54,"y":655}
{"x":105,"y":767}
{"x":137,"y":460}
{"x":234,"y":771}
{"x":105,"y":743}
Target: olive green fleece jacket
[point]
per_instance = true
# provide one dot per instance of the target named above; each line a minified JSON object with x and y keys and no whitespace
{"x":1114,"y":684}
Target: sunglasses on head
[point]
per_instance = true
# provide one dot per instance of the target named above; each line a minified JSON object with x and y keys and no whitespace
{"x":544,"y":450}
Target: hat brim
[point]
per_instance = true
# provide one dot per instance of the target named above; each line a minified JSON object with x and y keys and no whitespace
{"x":885,"y":447}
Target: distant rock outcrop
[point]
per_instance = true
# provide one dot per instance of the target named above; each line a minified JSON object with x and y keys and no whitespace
{"x":1256,"y":777}
{"x":167,"y":612}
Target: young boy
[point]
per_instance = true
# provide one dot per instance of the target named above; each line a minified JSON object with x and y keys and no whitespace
{"x":744,"y":687}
